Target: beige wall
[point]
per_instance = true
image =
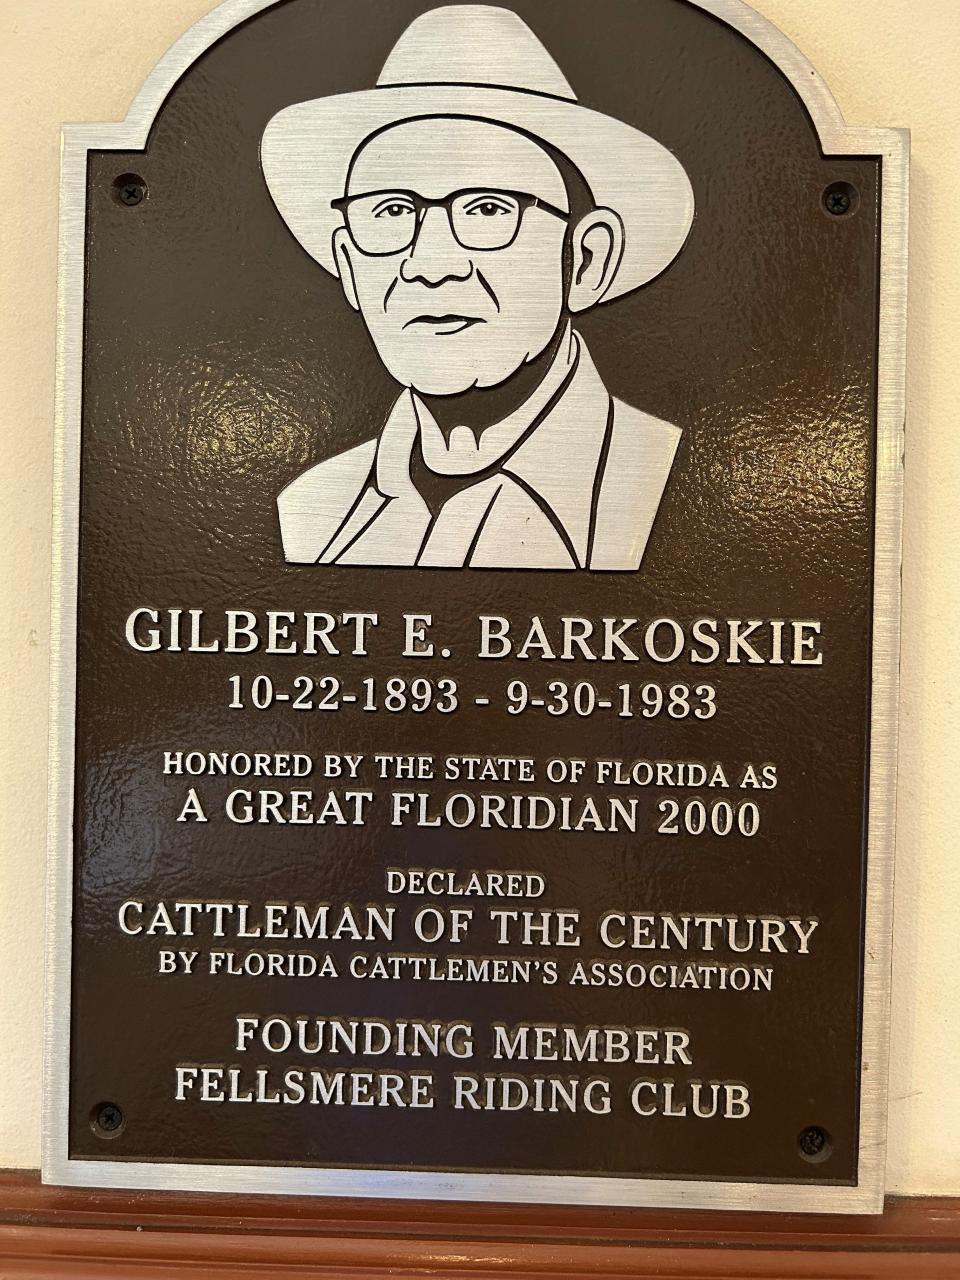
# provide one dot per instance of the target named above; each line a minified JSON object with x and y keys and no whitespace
{"x":888,"y":62}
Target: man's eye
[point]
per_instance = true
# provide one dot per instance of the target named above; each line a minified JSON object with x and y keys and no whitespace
{"x":488,"y":208}
{"x":395,"y":209}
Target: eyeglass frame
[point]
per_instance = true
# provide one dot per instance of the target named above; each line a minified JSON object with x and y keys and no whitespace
{"x":421,"y":204}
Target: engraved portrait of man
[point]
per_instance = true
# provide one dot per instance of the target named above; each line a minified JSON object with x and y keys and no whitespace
{"x":472,"y":208}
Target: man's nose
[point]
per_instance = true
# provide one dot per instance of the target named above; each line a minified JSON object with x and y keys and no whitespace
{"x":435,"y":256}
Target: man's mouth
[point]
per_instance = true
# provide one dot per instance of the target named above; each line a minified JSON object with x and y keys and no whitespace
{"x":446,"y":324}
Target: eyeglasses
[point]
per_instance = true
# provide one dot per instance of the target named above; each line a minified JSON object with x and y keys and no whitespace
{"x":385,"y":222}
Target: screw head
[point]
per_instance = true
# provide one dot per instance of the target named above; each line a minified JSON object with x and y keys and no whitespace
{"x":129,"y":189}
{"x":841,"y":199}
{"x":814,"y":1144}
{"x":107,"y":1119}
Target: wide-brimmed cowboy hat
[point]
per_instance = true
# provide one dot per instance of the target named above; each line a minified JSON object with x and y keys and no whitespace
{"x":481,"y":62}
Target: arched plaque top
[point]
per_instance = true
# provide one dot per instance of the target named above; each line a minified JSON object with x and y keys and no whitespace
{"x":133,"y":131}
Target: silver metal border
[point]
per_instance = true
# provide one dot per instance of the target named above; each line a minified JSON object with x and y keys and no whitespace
{"x":837,"y":139}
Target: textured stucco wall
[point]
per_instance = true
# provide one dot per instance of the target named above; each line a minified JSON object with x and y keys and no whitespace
{"x":888,"y":63}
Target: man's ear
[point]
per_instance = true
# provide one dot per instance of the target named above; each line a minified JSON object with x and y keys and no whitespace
{"x":342,"y":248}
{"x":597,"y":243}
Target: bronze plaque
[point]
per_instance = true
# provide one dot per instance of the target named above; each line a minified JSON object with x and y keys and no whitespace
{"x":474,"y":736}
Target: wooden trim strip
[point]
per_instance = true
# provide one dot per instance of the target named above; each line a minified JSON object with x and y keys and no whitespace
{"x":48,"y":1232}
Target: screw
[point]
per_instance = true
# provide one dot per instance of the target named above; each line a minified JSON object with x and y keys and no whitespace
{"x":129,"y":189}
{"x":814,"y":1143}
{"x":840,"y":199}
{"x":109,"y":1117}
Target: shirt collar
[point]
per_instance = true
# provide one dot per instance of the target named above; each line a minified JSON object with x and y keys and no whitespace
{"x":560,"y":459}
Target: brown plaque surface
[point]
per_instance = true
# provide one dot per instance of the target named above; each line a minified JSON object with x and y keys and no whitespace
{"x":614,"y":681}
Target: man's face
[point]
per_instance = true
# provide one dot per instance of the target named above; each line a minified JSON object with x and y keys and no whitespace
{"x":445,"y":317}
